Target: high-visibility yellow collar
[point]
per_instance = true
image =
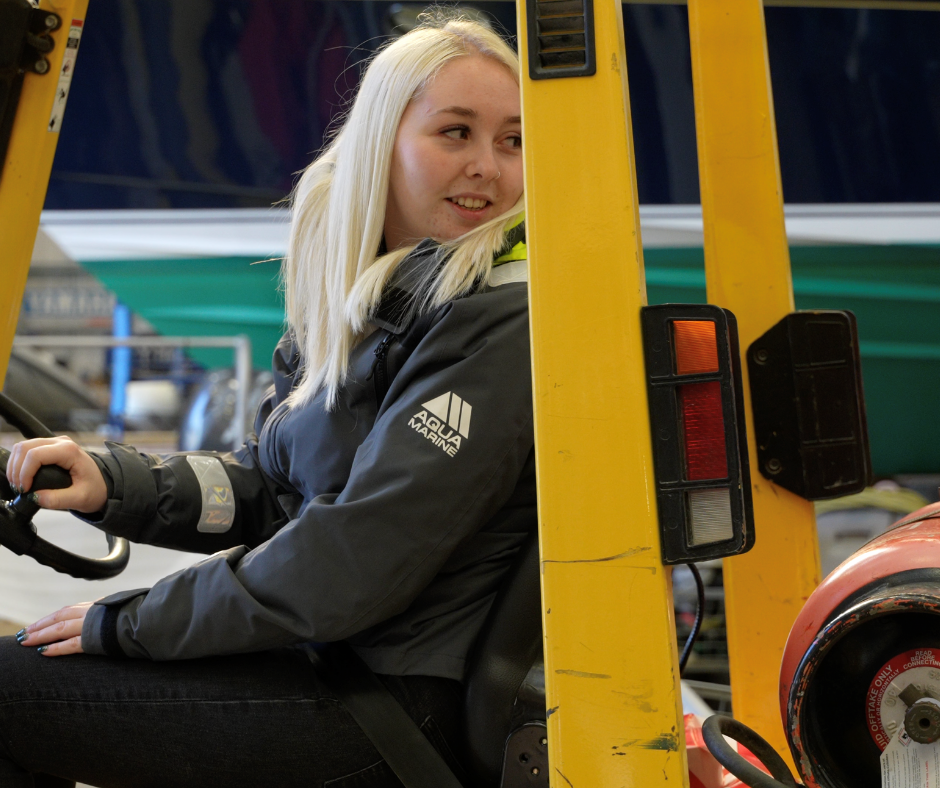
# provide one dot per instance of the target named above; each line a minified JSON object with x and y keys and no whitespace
{"x":515,"y":248}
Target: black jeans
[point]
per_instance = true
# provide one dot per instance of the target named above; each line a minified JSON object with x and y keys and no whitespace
{"x":251,"y":720}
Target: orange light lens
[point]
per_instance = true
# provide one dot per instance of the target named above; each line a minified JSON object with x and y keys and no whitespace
{"x":696,"y":346}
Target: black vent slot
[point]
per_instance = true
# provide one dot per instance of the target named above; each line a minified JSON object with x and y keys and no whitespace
{"x":561,"y":38}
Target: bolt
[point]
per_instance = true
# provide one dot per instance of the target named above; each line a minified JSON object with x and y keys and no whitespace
{"x":761,"y":356}
{"x":922,"y":721}
{"x":51,"y":21}
{"x":543,"y":741}
{"x":773,"y":466}
{"x":41,"y":66}
{"x":535,"y":770}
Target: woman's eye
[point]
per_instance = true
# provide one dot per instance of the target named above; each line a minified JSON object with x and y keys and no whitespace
{"x":459,"y":133}
{"x":514,"y":142}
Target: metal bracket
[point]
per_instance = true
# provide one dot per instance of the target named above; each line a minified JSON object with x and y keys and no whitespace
{"x":809,"y":408}
{"x":526,"y":761}
{"x":24,"y":44}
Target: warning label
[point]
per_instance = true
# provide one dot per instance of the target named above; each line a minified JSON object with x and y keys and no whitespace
{"x":884,"y":710}
{"x":65,"y":76}
{"x":907,"y":764}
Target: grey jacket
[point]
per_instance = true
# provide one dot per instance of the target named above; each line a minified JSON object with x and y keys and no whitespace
{"x":390,"y":526}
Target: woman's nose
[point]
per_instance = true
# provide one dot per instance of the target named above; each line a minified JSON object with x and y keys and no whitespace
{"x":483,"y":165}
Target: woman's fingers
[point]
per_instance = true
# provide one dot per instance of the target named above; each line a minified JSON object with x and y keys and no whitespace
{"x":17,"y":455}
{"x":64,"y":614}
{"x":44,"y":451}
{"x":59,"y":633}
{"x":63,"y":630}
{"x":70,"y":646}
{"x":88,"y":492}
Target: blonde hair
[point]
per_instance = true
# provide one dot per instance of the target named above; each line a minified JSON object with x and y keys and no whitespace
{"x":332,"y":280}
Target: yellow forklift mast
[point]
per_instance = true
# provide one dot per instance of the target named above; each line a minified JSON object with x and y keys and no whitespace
{"x":747,"y":270}
{"x":24,"y":176}
{"x":612,"y":678}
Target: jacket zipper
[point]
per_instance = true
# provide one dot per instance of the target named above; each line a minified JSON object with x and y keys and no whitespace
{"x":380,"y":369}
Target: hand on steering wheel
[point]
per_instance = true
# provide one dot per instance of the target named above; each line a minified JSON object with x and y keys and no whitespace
{"x":74,"y":486}
{"x":88,"y":493}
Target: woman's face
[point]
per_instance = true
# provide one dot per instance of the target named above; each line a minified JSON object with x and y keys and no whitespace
{"x":457,"y":160}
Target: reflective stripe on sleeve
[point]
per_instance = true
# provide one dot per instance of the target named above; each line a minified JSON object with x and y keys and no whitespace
{"x":218,"y":500}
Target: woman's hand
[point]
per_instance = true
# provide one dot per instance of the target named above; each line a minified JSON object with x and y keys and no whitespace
{"x":58,"y":634}
{"x":88,"y":493}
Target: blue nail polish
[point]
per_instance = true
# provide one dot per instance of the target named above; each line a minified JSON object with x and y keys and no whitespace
{"x":21,"y":635}
{"x":42,"y":649}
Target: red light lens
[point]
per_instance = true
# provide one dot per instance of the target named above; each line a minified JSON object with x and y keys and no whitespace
{"x":696,"y":346}
{"x":703,"y":427}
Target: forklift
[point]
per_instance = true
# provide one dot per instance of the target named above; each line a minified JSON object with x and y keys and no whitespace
{"x":664,"y":435}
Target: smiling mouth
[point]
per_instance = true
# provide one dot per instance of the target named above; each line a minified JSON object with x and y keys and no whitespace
{"x":469,"y":203}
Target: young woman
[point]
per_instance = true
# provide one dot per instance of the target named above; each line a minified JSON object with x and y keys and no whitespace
{"x":389,"y":486}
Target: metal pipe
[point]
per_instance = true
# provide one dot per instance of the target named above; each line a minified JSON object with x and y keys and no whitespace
{"x":240,"y":343}
{"x":243,"y":378}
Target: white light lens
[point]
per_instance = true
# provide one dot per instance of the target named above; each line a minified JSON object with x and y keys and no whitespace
{"x":710,"y":514}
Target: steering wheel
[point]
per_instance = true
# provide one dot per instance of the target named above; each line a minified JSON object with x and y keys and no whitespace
{"x":17,"y":531}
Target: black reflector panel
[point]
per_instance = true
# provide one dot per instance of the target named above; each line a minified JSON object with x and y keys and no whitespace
{"x":809,"y":408}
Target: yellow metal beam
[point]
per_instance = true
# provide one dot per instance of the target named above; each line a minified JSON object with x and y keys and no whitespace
{"x":612,"y":679}
{"x":883,"y":5}
{"x":25,"y":174}
{"x":747,"y":267}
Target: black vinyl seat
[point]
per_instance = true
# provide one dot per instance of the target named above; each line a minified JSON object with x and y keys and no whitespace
{"x":504,"y":708}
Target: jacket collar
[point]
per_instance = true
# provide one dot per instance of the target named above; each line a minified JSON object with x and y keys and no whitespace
{"x":397,"y":309}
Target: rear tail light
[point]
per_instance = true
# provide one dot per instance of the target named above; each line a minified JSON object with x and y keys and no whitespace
{"x":703,"y":486}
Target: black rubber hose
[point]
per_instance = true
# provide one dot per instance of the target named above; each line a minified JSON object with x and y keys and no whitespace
{"x":699,"y":615}
{"x":714,"y":731}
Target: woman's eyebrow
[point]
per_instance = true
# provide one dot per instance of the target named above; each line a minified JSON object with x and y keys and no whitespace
{"x":466,"y":112}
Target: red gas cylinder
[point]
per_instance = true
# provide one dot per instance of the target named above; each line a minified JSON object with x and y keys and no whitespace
{"x":864,"y":649}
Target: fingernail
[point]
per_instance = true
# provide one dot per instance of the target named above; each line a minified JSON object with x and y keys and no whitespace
{"x":34,"y":497}
{"x":21,"y":635}
{"x":42,"y":649}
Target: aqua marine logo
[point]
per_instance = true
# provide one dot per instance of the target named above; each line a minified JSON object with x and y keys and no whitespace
{"x":444,"y":421}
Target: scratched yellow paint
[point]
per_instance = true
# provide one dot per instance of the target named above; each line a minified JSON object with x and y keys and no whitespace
{"x":747,"y":266}
{"x":26,"y":176}
{"x":611,"y":663}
